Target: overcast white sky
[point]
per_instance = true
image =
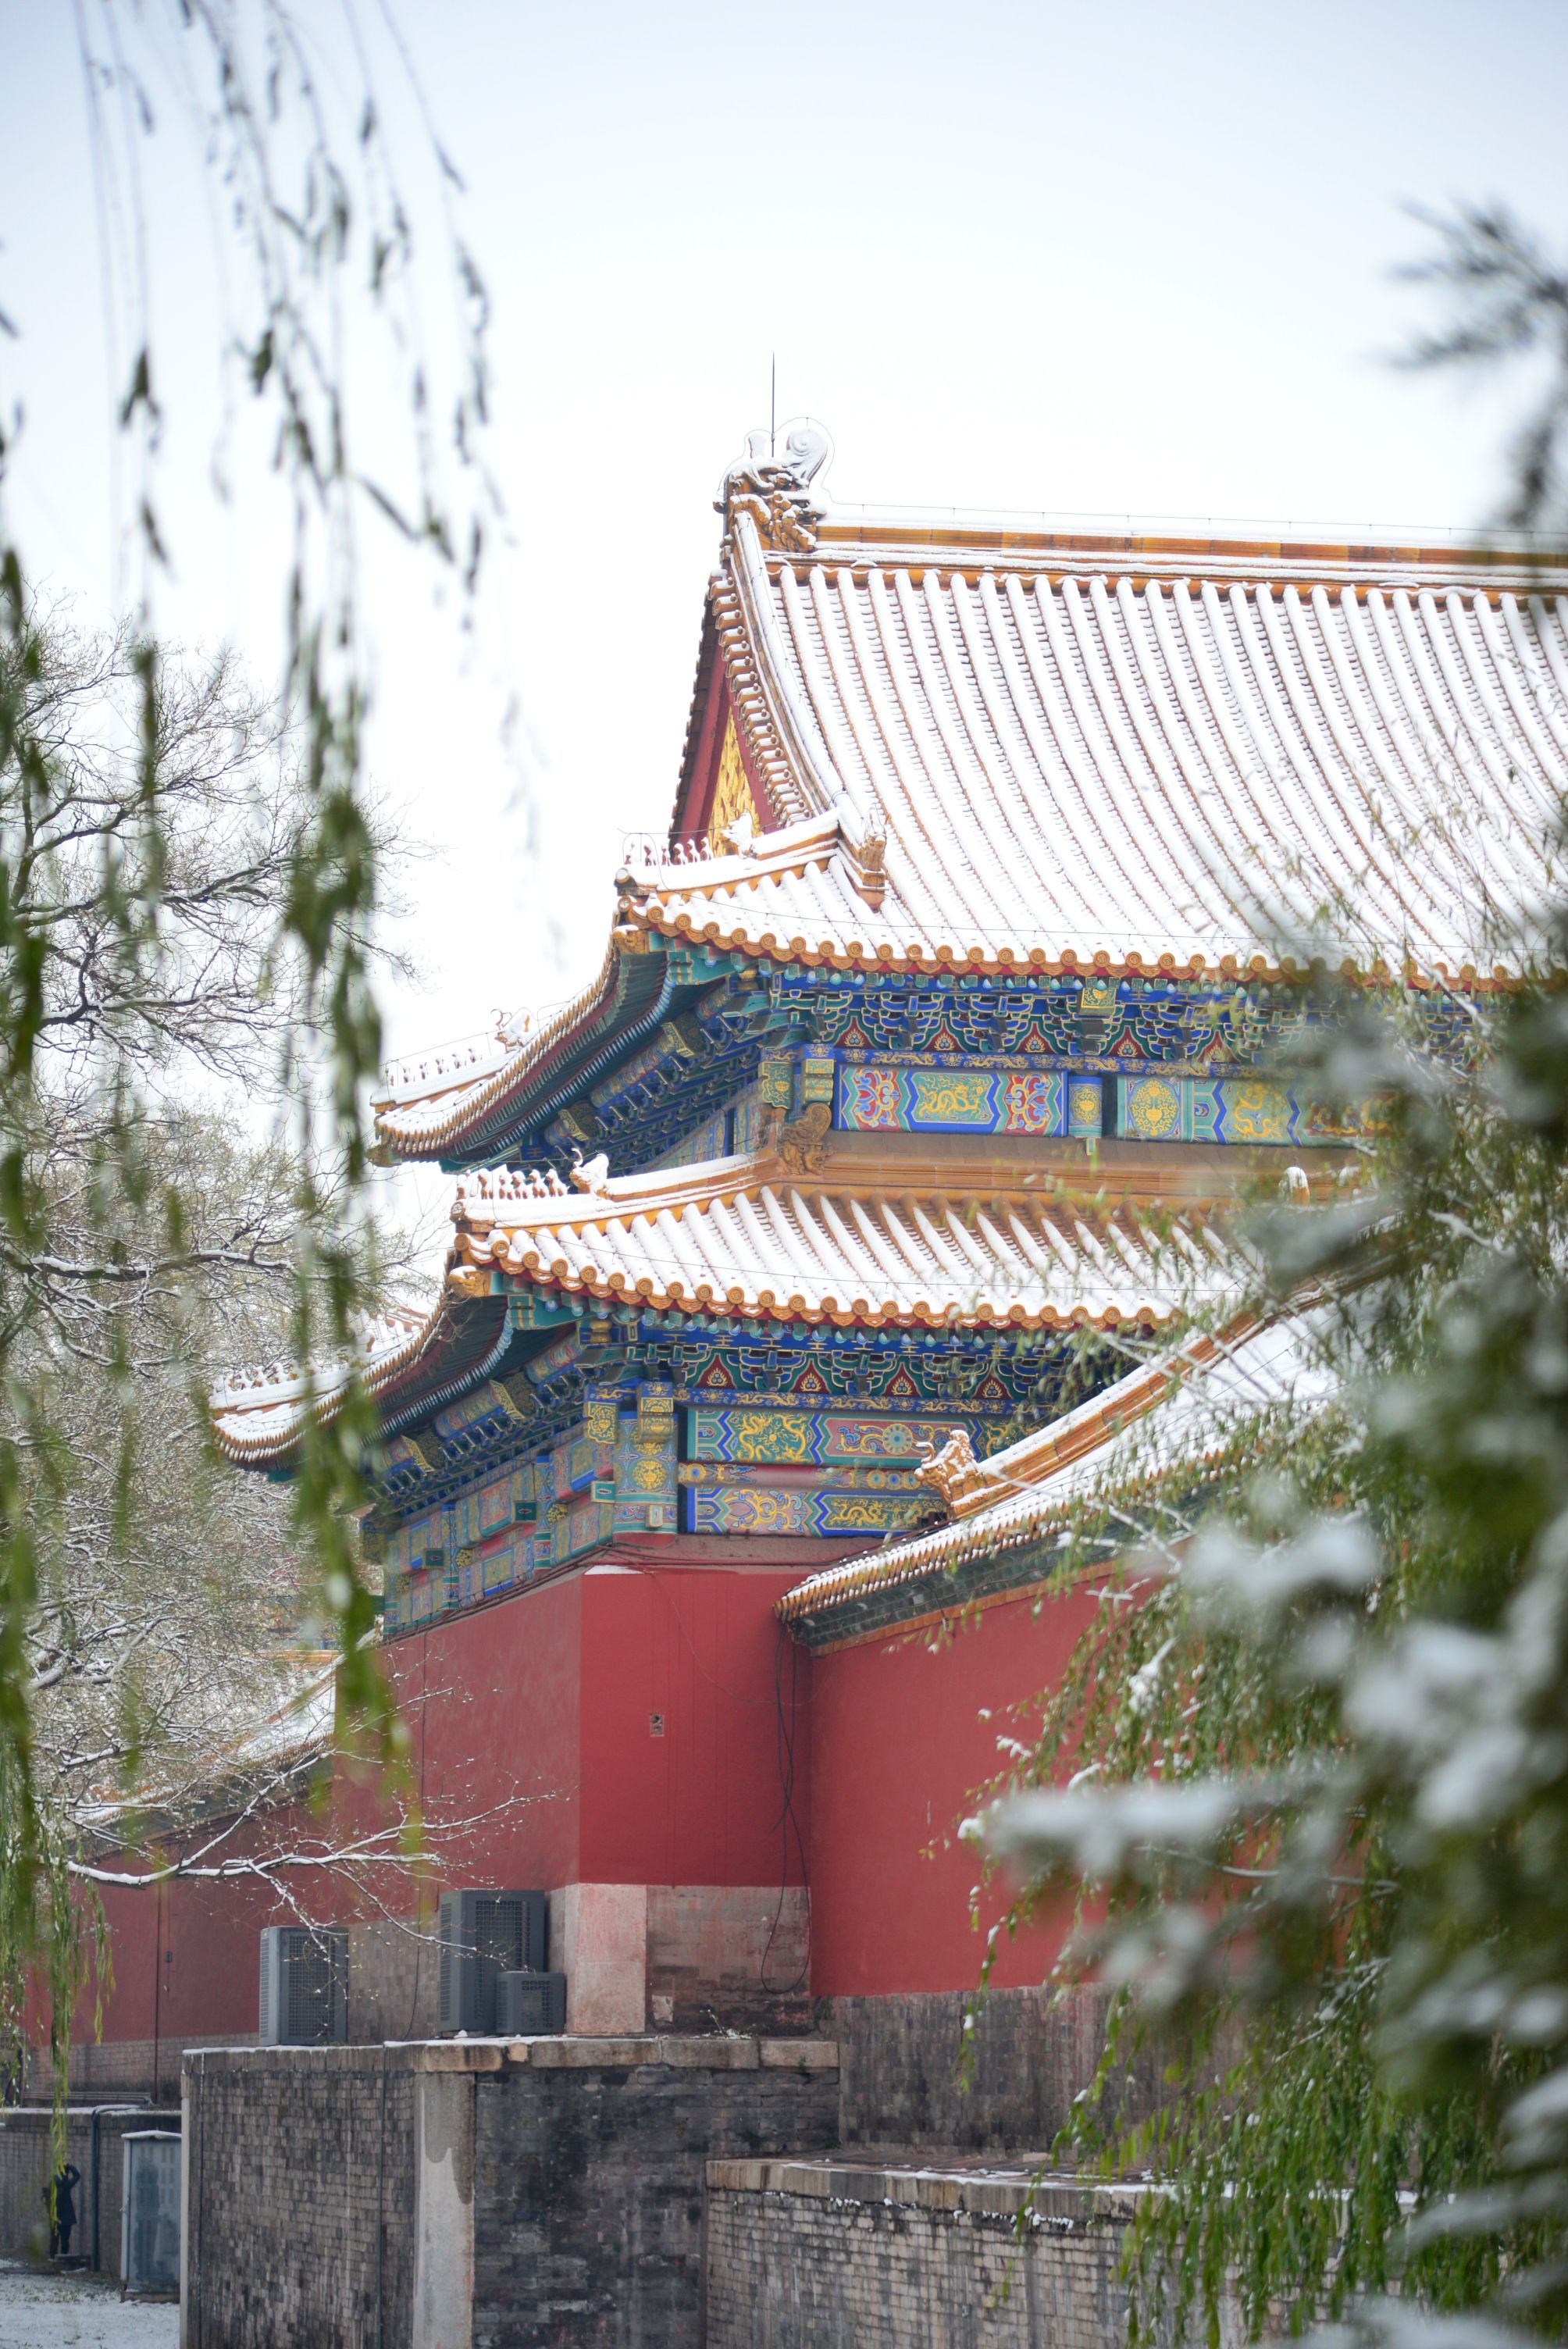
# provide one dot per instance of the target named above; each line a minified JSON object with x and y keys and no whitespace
{"x":1132,"y":256}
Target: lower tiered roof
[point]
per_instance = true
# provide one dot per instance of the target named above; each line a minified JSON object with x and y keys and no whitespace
{"x":750,"y":1244}
{"x":1176,"y":1417}
{"x":749,"y":1238}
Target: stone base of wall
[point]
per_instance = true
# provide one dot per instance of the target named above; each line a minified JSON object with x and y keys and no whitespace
{"x":487,"y":2194}
{"x":660,"y":1957}
{"x":729,"y":1957}
{"x":26,"y":2165}
{"x":846,"y":2255}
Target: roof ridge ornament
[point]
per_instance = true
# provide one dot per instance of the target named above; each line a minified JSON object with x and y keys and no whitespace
{"x":867,"y":857}
{"x":590,"y":1175}
{"x":776,"y":492}
{"x":952,"y":1470}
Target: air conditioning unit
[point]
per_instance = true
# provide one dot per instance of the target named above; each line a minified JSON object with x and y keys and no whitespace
{"x":150,"y":2212}
{"x":528,"y":2006}
{"x":484,"y":1935}
{"x":304,"y":1985}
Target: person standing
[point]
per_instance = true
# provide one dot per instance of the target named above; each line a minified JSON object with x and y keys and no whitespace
{"x":59,"y":2198}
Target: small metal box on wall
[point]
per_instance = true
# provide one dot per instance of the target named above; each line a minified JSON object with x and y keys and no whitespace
{"x":150,"y":2212}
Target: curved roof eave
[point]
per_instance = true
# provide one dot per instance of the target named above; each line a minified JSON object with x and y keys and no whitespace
{"x":465,"y":1123}
{"x":260,"y":1419}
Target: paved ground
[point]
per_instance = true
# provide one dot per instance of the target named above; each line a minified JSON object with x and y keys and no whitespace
{"x":42,"y":2310}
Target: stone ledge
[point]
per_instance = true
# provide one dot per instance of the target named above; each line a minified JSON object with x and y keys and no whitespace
{"x":799,"y":2054}
{"x":669,"y":2050}
{"x":997,"y":2190}
{"x":677,"y":2053}
{"x":562,"y":2054}
{"x":395,"y":2055}
{"x":692,"y":2054}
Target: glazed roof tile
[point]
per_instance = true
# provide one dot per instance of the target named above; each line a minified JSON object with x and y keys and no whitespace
{"x":1120,"y":754}
{"x":749,"y":1238}
{"x":1113,"y":756}
{"x":429,"y":1099}
{"x":1187,"y":1407}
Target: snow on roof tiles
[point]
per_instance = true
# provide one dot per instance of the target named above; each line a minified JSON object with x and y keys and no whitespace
{"x":259,"y":1416}
{"x":1130,"y":756}
{"x":749,"y":1238}
{"x":427,"y":1102}
{"x":1114,"y":753}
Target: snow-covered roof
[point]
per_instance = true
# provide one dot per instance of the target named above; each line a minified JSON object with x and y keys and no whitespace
{"x":1134,"y":750}
{"x":1187,"y":1407}
{"x":749,"y":1238}
{"x":993,"y":749}
{"x":753,"y":1240}
{"x":263,"y":1753}
{"x":408,"y":1361}
{"x":425,"y":1102}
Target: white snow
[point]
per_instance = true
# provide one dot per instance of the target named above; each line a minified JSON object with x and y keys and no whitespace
{"x":40,"y":2310}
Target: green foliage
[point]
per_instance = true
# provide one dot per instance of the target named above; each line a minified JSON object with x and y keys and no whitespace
{"x":139,"y":952}
{"x":1318,"y":1815}
{"x":1505,"y":297}
{"x":1308,"y":1769}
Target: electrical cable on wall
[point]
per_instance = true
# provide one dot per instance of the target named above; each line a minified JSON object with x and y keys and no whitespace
{"x":788,"y":1824}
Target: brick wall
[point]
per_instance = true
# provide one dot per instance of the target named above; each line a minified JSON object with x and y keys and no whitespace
{"x":299,"y":2198}
{"x":906,"y":2080}
{"x":589,"y":2179}
{"x":26,"y":2168}
{"x":98,"y":2072}
{"x":818,"y":2255}
{"x":474,"y":2194}
{"x":495,"y":2195}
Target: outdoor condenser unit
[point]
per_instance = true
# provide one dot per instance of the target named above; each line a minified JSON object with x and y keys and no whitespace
{"x":484,"y":1935}
{"x":528,"y":2006}
{"x":304,"y":1985}
{"x":149,"y":2210}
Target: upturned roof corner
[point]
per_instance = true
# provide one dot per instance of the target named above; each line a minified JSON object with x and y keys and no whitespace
{"x":774,"y":491}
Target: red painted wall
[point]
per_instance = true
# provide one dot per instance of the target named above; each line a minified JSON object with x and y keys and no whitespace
{"x":538,"y":1712}
{"x":492,"y":1700}
{"x":699,"y":1802}
{"x":695,"y":809}
{"x":545,"y":1702}
{"x":898,"y":1749}
{"x":184,"y":1955}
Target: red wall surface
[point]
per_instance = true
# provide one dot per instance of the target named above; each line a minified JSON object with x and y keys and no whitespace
{"x":697,"y":1799}
{"x":898,"y":1748}
{"x":536,"y":1760}
{"x":185,"y":1959}
{"x":629,"y":1724}
{"x":493,"y":1705}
